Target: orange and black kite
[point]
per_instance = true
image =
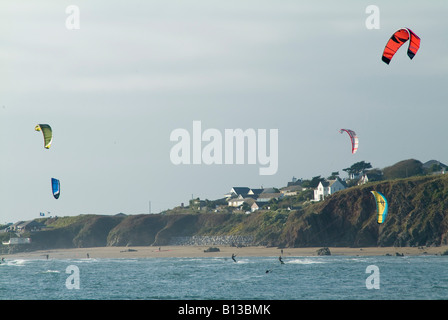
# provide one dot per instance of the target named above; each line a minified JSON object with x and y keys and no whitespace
{"x":397,"y":40}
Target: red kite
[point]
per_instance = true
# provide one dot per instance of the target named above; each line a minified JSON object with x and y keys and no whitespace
{"x":397,"y":40}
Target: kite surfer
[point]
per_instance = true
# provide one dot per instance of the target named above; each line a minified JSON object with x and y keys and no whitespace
{"x":281,"y":260}
{"x":233,"y":257}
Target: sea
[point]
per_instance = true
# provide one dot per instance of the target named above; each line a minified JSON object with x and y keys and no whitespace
{"x":249,"y":278}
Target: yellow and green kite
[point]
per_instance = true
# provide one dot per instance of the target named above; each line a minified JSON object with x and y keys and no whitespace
{"x":47,"y":132}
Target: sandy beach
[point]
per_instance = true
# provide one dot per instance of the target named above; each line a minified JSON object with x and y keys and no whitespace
{"x":198,"y":251}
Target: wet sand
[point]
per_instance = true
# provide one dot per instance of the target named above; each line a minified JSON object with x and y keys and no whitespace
{"x":225,"y":251}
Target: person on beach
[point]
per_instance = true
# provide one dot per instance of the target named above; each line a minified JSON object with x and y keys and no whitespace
{"x":233,"y":257}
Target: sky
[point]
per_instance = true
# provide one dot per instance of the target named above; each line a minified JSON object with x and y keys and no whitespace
{"x":114,"y":90}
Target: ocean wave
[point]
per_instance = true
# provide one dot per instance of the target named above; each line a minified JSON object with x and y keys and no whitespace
{"x":84,"y":260}
{"x":17,"y":262}
{"x":51,"y":271}
{"x":305,"y":261}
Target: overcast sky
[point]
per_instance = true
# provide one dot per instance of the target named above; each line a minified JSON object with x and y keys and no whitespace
{"x":115,"y":89}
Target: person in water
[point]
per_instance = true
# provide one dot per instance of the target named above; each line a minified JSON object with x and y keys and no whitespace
{"x":233,"y":257}
{"x":281,"y":260}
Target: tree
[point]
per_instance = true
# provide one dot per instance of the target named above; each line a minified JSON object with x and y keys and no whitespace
{"x":333,"y":175}
{"x":357,"y":168}
{"x":435,"y":167}
{"x":313,"y":183}
{"x":245,"y":207}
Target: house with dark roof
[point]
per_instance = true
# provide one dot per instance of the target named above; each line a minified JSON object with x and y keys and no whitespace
{"x":328,"y":187}
{"x":254,"y":193}
{"x":257,"y":205}
{"x":237,"y":191}
{"x":240,"y":195}
{"x":239,"y":201}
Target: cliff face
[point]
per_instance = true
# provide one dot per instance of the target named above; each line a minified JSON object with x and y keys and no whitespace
{"x":147,"y":230}
{"x":418,"y":216}
{"x":85,"y":231}
{"x":157,"y":230}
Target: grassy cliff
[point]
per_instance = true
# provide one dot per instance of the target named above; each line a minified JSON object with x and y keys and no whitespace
{"x":418,"y":216}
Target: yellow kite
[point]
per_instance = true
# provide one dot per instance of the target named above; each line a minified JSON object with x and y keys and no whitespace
{"x":381,"y":206}
{"x":47,"y":132}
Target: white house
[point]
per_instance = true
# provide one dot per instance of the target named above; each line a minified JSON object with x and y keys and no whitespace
{"x":370,"y":176}
{"x":240,"y":195}
{"x":326,"y":188}
{"x":256,"y":206}
{"x":236,"y":202}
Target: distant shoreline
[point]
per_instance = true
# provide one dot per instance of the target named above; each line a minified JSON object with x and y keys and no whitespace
{"x":224,"y":251}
